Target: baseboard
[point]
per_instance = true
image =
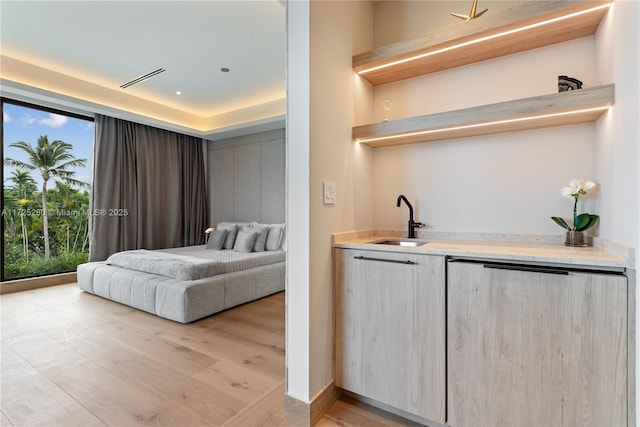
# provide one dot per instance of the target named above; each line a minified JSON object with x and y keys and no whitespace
{"x":36,"y":282}
{"x":301,"y":413}
{"x":403,"y":418}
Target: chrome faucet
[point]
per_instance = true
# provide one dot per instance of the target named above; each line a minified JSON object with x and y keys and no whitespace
{"x":412,"y":224}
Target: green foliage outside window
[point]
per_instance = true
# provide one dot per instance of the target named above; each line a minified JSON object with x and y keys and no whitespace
{"x":46,"y":229}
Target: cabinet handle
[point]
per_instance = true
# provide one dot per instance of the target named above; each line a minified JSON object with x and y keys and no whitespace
{"x":395,"y":261}
{"x":528,"y":268}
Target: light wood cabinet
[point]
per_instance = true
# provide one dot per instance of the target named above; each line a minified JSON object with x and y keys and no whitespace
{"x":390,"y":329}
{"x":538,"y":348}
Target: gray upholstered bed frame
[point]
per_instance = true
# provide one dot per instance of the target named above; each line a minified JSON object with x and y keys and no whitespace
{"x":180,"y":300}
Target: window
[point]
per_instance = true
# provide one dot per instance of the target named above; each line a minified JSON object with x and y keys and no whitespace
{"x":45,"y":185}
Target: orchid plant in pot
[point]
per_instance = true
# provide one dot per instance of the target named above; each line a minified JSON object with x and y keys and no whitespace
{"x":575,"y":233}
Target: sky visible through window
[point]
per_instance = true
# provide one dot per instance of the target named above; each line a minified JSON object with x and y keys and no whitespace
{"x":27,"y":124}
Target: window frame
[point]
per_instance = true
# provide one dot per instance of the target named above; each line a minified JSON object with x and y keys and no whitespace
{"x":46,"y":109}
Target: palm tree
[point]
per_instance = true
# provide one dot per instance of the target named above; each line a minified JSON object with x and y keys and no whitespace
{"x":65,"y":196}
{"x":23,"y":185}
{"x":10,"y":207}
{"x":52,"y":160}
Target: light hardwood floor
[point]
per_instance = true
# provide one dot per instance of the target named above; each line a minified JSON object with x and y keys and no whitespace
{"x":73,"y":359}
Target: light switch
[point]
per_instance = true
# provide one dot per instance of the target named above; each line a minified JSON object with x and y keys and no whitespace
{"x":329,"y":191}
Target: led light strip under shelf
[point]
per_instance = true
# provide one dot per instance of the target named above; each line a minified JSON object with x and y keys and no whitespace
{"x":482,"y":124}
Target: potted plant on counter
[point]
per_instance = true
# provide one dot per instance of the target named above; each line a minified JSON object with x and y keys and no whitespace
{"x":575,"y":233}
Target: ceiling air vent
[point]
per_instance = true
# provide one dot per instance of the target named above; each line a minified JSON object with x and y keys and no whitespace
{"x":142,"y":78}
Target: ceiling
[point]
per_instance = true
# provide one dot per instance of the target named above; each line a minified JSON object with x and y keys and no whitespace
{"x":82,"y":51}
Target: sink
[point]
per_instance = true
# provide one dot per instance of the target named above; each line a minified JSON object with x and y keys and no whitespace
{"x":402,"y":242}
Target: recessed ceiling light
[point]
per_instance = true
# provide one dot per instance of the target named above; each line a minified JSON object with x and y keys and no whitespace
{"x":224,"y":69}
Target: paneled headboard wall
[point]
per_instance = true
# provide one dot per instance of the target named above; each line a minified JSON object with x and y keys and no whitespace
{"x":246,"y":177}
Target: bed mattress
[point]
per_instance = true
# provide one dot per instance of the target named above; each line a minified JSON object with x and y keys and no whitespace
{"x":192,"y":262}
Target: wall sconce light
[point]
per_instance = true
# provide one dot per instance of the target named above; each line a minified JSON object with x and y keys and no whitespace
{"x":208,"y":232}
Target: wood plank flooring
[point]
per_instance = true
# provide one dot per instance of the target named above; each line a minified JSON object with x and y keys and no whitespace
{"x":69,"y":358}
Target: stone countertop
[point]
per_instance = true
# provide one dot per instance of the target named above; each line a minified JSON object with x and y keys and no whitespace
{"x":518,"y":251}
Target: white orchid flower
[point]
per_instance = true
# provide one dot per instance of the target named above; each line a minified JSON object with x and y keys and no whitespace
{"x":567,"y":192}
{"x":576,"y":188}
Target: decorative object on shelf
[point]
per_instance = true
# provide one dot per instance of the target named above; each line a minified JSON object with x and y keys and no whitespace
{"x":473,"y":14}
{"x":575,"y":234}
{"x":566,"y":83}
{"x":387,"y":105}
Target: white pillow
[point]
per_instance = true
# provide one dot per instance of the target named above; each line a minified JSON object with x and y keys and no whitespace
{"x":232,"y":230}
{"x":217,"y":239}
{"x":262,"y":230}
{"x":244,"y":241}
{"x":274,"y":238}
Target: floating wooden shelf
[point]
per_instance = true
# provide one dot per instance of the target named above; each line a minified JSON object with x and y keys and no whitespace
{"x":528,"y":26}
{"x":558,"y":109}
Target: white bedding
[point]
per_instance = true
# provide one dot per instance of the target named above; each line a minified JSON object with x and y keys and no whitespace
{"x":193,"y":262}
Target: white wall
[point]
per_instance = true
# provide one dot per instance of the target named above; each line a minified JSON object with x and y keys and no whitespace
{"x":494,"y":184}
{"x":246,"y":178}
{"x":521,"y":75}
{"x":321,"y":113}
{"x":617,"y":153}
{"x":297,"y":202}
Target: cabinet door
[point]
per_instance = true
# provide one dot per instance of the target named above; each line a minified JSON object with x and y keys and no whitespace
{"x":538,"y":349}
{"x":390,"y":329}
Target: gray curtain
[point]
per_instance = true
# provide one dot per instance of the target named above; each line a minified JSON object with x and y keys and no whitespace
{"x":148,"y":191}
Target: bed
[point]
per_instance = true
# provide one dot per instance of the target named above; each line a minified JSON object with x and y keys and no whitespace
{"x":242,"y":262}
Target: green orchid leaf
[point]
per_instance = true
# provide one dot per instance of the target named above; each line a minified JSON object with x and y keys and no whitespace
{"x":561,"y":222}
{"x":581,"y":221}
{"x":591,"y":221}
